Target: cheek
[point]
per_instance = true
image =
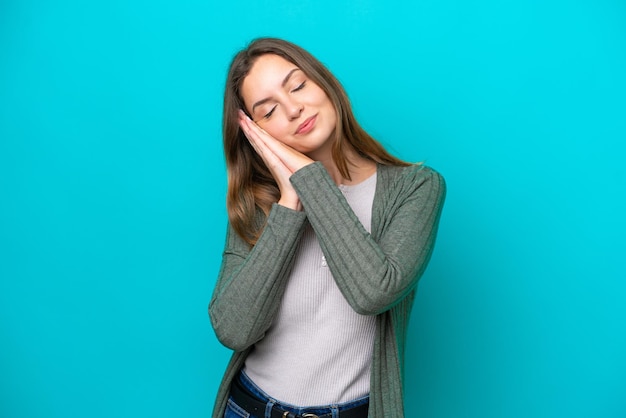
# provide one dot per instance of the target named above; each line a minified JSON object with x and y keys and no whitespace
{"x":276,"y":129}
{"x":320,"y":97}
{"x":325,"y":104}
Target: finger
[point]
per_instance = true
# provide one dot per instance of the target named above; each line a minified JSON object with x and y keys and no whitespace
{"x":245,"y":125}
{"x":252,"y":128}
{"x":262,"y":142}
{"x":265,"y":143}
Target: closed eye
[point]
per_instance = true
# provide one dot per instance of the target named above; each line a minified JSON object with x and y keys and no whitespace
{"x":269,"y":114}
{"x":300,"y":87}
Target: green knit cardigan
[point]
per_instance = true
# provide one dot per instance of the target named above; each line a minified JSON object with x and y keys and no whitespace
{"x":376,"y":272}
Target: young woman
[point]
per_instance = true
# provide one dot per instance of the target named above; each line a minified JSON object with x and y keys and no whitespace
{"x":328,"y":235}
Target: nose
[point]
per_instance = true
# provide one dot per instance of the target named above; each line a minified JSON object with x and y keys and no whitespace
{"x":294,"y":110}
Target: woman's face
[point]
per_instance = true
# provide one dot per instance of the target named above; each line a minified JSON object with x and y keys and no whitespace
{"x":283,"y":101}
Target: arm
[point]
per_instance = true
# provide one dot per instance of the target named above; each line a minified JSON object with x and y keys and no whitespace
{"x":375,"y":271}
{"x":251,"y":281}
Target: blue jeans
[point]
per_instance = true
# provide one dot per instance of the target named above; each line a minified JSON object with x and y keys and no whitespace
{"x":235,"y":411}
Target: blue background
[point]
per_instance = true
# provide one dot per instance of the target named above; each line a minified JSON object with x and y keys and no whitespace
{"x":112,"y":188}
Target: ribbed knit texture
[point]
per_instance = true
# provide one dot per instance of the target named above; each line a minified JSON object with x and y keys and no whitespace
{"x":377,"y":272}
{"x":316,"y":332}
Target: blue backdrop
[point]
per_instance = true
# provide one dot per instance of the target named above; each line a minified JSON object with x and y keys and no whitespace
{"x":112,"y":188}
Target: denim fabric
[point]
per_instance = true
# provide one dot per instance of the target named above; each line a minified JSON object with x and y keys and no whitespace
{"x":235,"y":411}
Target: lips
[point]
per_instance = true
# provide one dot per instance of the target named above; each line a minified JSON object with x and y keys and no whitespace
{"x":306,"y":126}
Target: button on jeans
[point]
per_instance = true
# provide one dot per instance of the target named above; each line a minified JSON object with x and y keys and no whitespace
{"x":235,"y":411}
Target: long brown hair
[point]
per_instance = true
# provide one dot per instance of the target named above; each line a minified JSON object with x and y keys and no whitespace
{"x":251,"y":186}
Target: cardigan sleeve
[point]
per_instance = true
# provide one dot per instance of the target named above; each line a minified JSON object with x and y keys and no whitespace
{"x":252,"y":281}
{"x":375,"y":271}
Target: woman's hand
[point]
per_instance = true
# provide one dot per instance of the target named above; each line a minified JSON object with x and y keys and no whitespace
{"x":280,"y":159}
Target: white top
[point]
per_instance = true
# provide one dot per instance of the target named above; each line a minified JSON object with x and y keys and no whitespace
{"x":318,"y":351}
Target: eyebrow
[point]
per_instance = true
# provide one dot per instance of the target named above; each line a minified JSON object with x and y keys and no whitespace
{"x":267,"y":99}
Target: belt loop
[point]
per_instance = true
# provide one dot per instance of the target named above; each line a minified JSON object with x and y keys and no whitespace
{"x":335,"y":411}
{"x":268,"y":408}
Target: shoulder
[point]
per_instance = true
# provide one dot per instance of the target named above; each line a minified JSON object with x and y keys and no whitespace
{"x":410,"y":178}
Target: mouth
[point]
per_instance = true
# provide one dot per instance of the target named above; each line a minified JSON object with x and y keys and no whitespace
{"x":306,"y":126}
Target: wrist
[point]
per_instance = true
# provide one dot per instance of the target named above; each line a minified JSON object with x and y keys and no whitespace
{"x":290,"y":202}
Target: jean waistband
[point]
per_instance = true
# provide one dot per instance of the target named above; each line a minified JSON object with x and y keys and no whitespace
{"x":334,"y":409}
